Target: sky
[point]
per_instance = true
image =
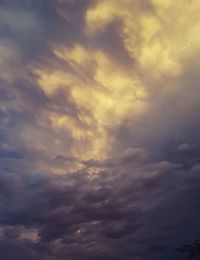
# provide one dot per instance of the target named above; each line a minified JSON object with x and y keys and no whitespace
{"x":99,"y":129}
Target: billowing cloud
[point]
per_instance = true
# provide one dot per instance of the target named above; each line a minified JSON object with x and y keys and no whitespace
{"x":76,"y":217}
{"x":99,"y":128}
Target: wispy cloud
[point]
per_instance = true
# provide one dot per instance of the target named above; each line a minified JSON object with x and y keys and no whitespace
{"x":99,"y":128}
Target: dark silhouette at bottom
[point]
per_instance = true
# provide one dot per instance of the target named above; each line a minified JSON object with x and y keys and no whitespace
{"x":191,"y":251}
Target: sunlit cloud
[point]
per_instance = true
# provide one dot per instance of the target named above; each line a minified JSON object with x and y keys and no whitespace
{"x":104,"y":100}
{"x":99,"y":128}
{"x":105,"y":92}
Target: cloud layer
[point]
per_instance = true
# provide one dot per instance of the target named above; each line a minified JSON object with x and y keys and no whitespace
{"x":99,"y":128}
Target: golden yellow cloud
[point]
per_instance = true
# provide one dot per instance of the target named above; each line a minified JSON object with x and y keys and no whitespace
{"x":143,"y":32}
{"x":157,"y":36}
{"x":99,"y":86}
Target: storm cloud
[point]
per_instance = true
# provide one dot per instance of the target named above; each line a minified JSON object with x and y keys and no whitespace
{"x":99,"y":129}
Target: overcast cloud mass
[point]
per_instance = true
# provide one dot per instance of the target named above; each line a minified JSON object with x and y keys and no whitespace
{"x":99,"y":129}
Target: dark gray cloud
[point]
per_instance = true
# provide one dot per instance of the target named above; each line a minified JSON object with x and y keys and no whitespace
{"x":109,"y":217}
{"x":140,"y":202}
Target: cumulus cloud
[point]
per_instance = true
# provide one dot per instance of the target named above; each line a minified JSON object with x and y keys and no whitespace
{"x":77,"y":217}
{"x":99,"y":128}
{"x":132,"y":154}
